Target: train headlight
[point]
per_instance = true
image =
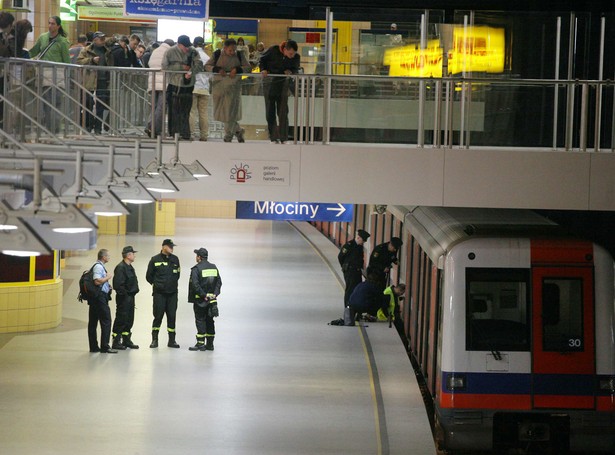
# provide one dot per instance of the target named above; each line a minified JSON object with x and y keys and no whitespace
{"x":608,"y":384}
{"x":456,"y":382}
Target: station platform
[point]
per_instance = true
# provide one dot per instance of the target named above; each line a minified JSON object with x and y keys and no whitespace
{"x":280,"y":381}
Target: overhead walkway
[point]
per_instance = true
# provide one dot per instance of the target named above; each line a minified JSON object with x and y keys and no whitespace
{"x":280,"y":381}
{"x":445,"y":142}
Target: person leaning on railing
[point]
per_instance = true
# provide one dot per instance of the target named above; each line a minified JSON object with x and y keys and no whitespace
{"x":185,"y":61}
{"x":226,"y":64}
{"x":278,"y":59}
{"x":95,"y":80}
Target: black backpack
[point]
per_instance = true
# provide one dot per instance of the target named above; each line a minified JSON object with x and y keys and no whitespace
{"x":88,"y":290}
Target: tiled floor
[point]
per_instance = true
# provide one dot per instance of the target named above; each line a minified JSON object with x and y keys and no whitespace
{"x":281,"y":381}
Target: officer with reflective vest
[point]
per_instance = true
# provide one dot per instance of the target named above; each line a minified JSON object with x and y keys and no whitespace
{"x":395,"y":295}
{"x":203,"y":291}
{"x":163,"y":274}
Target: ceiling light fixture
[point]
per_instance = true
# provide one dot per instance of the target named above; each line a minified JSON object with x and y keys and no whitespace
{"x":197,"y":169}
{"x":21,"y":240}
{"x":133,"y":193}
{"x":160,"y":184}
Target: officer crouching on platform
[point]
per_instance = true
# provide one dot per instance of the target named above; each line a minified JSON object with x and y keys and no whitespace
{"x":203,"y":290}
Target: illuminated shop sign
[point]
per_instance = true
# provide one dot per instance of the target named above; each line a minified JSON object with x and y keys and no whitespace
{"x":479,"y":49}
{"x":178,"y":9}
{"x":474,"y":49}
{"x":109,"y":14}
{"x":414,"y":62}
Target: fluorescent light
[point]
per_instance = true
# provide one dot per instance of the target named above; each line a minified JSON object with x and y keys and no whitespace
{"x":109,"y":205}
{"x":21,"y":253}
{"x":197,"y":169}
{"x":23,"y":241}
{"x":179,"y":173}
{"x":136,"y":201}
{"x":108,"y":213}
{"x":160,"y":184}
{"x":133,"y":193}
{"x":7,"y":227}
{"x":72,"y":230}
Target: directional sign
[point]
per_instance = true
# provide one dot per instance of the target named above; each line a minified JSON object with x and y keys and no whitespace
{"x":294,"y":211}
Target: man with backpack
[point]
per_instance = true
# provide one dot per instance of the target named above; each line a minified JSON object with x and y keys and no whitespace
{"x":99,"y":306}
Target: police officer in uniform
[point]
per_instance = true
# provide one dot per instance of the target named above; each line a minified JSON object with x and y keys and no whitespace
{"x":351,"y":258}
{"x":126,"y":287}
{"x":203,"y":290}
{"x":383,"y":257}
{"x":163,"y":274}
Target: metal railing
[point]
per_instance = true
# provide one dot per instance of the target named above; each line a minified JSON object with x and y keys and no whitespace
{"x":46,"y":101}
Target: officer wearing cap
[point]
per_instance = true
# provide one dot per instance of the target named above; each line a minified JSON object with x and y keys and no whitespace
{"x":383,"y":257}
{"x":351,"y":258}
{"x":203,"y":291}
{"x":126,"y":287}
{"x":163,"y":274}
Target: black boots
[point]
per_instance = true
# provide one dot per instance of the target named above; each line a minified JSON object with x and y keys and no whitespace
{"x":210,"y":344}
{"x":172,"y":343}
{"x":154,"y":343}
{"x":127,"y":342}
{"x":117,"y":343}
{"x":199,"y":346}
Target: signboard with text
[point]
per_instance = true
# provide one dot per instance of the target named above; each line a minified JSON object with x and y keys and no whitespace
{"x":109,"y":14}
{"x":177,"y":9}
{"x":294,"y":211}
{"x":259,"y":172}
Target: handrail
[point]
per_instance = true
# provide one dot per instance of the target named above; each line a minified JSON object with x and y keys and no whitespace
{"x":437,"y":110}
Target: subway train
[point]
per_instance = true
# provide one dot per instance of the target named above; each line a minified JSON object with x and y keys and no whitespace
{"x":513,"y":328}
{"x":511,"y":324}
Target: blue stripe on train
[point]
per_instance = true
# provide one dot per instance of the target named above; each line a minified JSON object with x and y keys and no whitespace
{"x":521,"y":383}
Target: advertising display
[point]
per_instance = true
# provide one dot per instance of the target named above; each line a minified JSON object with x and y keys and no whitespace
{"x":178,"y":9}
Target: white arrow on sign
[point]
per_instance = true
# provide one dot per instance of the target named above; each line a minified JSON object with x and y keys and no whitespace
{"x":340,"y":209}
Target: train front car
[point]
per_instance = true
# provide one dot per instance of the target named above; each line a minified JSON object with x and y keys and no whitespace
{"x":527,"y":356}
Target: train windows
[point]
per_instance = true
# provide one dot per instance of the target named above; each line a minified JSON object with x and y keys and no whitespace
{"x":497,"y":315}
{"x":562,"y":314}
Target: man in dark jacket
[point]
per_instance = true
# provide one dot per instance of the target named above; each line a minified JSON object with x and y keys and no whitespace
{"x":181,"y":57}
{"x":351,"y":258}
{"x":203,"y":291}
{"x":121,"y":54}
{"x":96,"y":81}
{"x":282,"y":59}
{"x":383,"y":257}
{"x":126,"y":287}
{"x":163,"y":274}
{"x":368,"y":297}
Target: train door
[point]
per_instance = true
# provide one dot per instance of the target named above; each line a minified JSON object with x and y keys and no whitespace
{"x":563,"y":363}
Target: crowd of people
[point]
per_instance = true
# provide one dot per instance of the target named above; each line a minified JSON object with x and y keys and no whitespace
{"x":163,"y":273}
{"x":189,"y":72}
